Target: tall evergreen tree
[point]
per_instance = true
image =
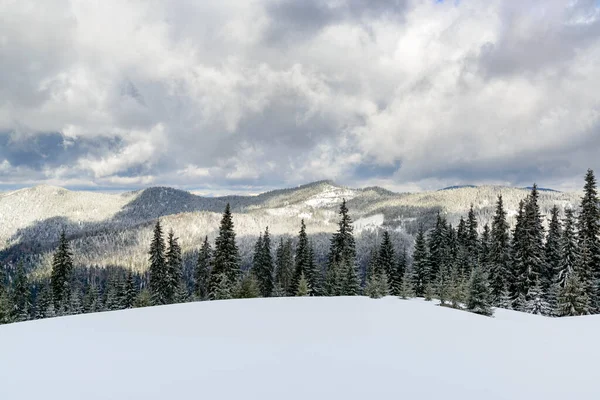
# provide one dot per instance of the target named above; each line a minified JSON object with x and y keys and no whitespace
{"x":552,"y":252}
{"x":420,"y":273}
{"x":478,"y":298}
{"x":499,"y":253}
{"x":202,"y":273}
{"x":437,"y":243}
{"x":20,"y":295}
{"x":302,"y":257}
{"x":400,"y":273}
{"x":472,"y":241}
{"x":62,"y":268}
{"x":313,"y":275}
{"x":284,"y":260}
{"x":263,"y":265}
{"x":130,"y":292}
{"x":589,"y":239}
{"x":569,"y":249}
{"x":158,"y":271}
{"x":342,"y":258}
{"x":518,"y":250}
{"x":5,"y":306}
{"x":484,"y":248}
{"x":534,"y":241}
{"x":387,"y":258}
{"x":174,"y":267}
{"x":226,"y":256}
{"x":573,"y":299}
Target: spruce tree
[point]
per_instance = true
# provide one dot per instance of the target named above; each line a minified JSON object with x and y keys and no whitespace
{"x":573,"y":299}
{"x":387,"y":259}
{"x":303,"y":289}
{"x":342,"y":258}
{"x":484,"y":249}
{"x":472,"y":242}
{"x":552,"y":253}
{"x":91,"y":301}
{"x":478,"y":300}
{"x":569,"y":249}
{"x":301,"y":257}
{"x":76,"y":301}
{"x":589,"y":239}
{"x":420,"y":275}
{"x":437,"y":244}
{"x":262,"y":265}
{"x":284,"y":260}
{"x":399,"y":274}
{"x":223,"y":290}
{"x":226,"y":256}
{"x":130,"y":292}
{"x":537,"y":303}
{"x":202,"y":272}
{"x":158,"y":271}
{"x":20,"y":295}
{"x":114,"y":292}
{"x":248,"y":287}
{"x":43,"y":301}
{"x":516,"y":274}
{"x":533,"y":242}
{"x":174,"y":262}
{"x":5,"y":306}
{"x":457,"y":288}
{"x":313,"y":275}
{"x":62,"y":267}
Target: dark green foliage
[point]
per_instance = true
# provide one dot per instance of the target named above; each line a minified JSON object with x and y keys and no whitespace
{"x":62,"y":267}
{"x":484,"y":248}
{"x":420,"y":275}
{"x":76,"y":301}
{"x":537,"y":303}
{"x":572,"y":298}
{"x":91,"y":300}
{"x":20,"y":296}
{"x":472,"y":242}
{"x":499,"y":254}
{"x":478,"y":300}
{"x":569,"y":250}
{"x":552,"y":252}
{"x":303,"y":289}
{"x":226,"y":260}
{"x":400,"y":273}
{"x":224,"y":289}
{"x":44,"y":302}
{"x":284,"y":260}
{"x":263,"y":264}
{"x":143,"y":299}
{"x":174,"y":274}
{"x":438,"y":247}
{"x":589,"y":239}
{"x":129,"y":292}
{"x":5,"y":307}
{"x":428,"y":294}
{"x":247,"y":287}
{"x":341,"y":264}
{"x":377,"y":285}
{"x":301,"y":259}
{"x":313,"y":274}
{"x":158,"y":270}
{"x":202,"y":272}
{"x":457,"y":293}
{"x":114,"y":293}
{"x":386,"y":261}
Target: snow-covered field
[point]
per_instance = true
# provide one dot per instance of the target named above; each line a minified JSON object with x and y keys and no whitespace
{"x":301,"y":348}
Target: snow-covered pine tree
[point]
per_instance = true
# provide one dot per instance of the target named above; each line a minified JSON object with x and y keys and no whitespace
{"x":572,"y":298}
{"x":62,"y":268}
{"x":484,"y":249}
{"x":552,"y":253}
{"x":457,"y":288}
{"x":181,"y":293}
{"x":266,"y":278}
{"x":472,"y":242}
{"x":20,"y":295}
{"x":202,"y":272}
{"x":43,"y":300}
{"x":5,"y":306}
{"x":428,"y":293}
{"x":517,"y":273}
{"x":420,"y":269}
{"x":533,"y":241}
{"x":303,"y":289}
{"x":174,"y":267}
{"x":226,"y":256}
{"x":91,"y":301}
{"x":537,"y":303}
{"x":400,"y":273}
{"x":284,"y":261}
{"x":504,"y":300}
{"x":114,"y":294}
{"x":478,"y":299}
{"x":158,"y":271}
{"x":499,"y":253}
{"x":386,"y":259}
{"x":442,"y":288}
{"x":301,"y":259}
{"x":313,"y":275}
{"x":569,"y":249}
{"x":247,"y":287}
{"x":589,"y":240}
{"x":406,"y":290}
{"x":223,"y":289}
{"x":437,"y":247}
{"x":342,"y":256}
{"x":129,"y":291}
{"x":76,"y":301}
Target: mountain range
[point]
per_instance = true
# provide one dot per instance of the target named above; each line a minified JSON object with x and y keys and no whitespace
{"x":115,"y":228}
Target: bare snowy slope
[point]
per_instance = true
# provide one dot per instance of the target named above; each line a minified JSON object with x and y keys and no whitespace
{"x":114,"y":228}
{"x":301,"y":348}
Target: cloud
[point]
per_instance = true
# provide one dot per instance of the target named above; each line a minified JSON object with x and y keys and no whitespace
{"x":404,"y":94}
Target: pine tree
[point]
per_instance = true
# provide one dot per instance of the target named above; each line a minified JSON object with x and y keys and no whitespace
{"x":428,"y":293}
{"x":442,"y":286}
{"x":223,"y":289}
{"x":284,"y":260}
{"x":420,"y":275}
{"x":226,"y":255}
{"x":313,"y":275}
{"x":303,"y":289}
{"x":387,"y":259}
{"x":478,"y":300}
{"x":158,"y":270}
{"x":43,"y":301}
{"x":589,"y":239}
{"x":533,"y":242}
{"x":5,"y":306}
{"x":569,"y":250}
{"x":406,"y":290}
{"x":573,"y":299}
{"x":174,"y":262}
{"x":248,"y":287}
{"x":437,"y":247}
{"x":20,"y":295}
{"x":301,"y":257}
{"x":181,"y":293}
{"x":399,"y":274}
{"x":504,"y":299}
{"x":537,"y":303}
{"x":91,"y":301}
{"x":143,"y":299}
{"x":62,"y":267}
{"x":484,"y":248}
{"x":517,"y":266}
{"x":130,"y":292}
{"x":342,"y":257}
{"x":263,"y":265}
{"x":472,"y":242}
{"x":552,"y":253}
{"x":457,"y":288}
{"x":76,"y":301}
{"x":114,"y":294}
{"x":202,"y":272}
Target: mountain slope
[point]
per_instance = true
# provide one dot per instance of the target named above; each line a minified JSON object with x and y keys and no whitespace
{"x":299,"y":348}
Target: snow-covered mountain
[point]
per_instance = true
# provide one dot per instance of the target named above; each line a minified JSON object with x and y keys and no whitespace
{"x":114,"y":229}
{"x":301,"y":348}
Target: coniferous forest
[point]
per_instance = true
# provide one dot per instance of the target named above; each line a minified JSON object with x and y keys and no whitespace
{"x":548,"y":267}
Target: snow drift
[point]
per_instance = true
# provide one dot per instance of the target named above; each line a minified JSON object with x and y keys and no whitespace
{"x":301,"y":348}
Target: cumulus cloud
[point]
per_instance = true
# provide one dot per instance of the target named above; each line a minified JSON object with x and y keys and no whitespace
{"x":405,"y":94}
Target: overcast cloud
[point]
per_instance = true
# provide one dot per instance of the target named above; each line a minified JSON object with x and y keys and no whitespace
{"x":405,"y":94}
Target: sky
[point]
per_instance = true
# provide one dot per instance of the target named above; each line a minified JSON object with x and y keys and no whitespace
{"x":242,"y":96}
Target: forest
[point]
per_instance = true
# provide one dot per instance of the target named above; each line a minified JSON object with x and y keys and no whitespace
{"x":551,"y":268}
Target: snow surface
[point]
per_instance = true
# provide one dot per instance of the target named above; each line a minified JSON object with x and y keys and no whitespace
{"x":301,"y":348}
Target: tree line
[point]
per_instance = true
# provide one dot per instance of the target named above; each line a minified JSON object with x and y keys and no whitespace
{"x":553,"y":271}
